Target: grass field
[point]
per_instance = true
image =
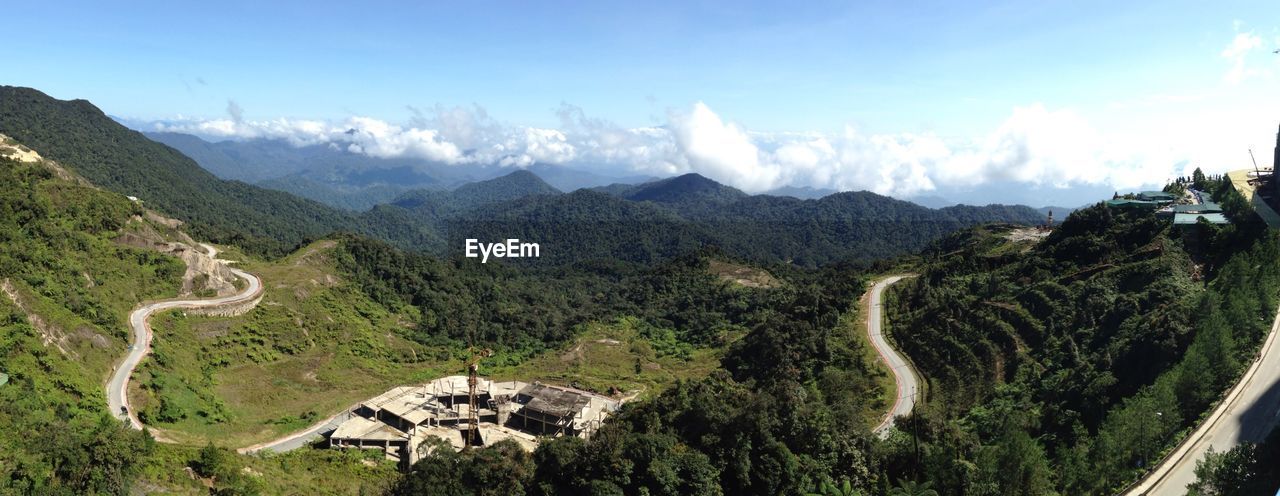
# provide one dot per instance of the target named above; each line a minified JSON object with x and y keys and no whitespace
{"x":313,"y":346}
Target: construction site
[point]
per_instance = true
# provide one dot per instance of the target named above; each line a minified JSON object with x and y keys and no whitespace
{"x":469,"y":411}
{"x":1261,"y":187}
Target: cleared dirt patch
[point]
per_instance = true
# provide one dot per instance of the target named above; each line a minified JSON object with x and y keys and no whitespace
{"x":743,"y":275}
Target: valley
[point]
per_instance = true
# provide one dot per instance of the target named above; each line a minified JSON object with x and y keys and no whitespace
{"x":742,"y":344}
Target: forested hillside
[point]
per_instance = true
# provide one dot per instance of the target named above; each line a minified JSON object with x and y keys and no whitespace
{"x":784,"y":415}
{"x":1072,"y":365}
{"x":66,"y":289}
{"x":690,"y":210}
{"x":83,"y":139}
{"x":669,"y":217}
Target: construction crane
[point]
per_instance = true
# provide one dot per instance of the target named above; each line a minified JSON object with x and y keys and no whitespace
{"x":473,"y":379}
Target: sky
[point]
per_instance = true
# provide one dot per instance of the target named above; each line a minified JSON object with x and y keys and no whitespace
{"x":1012,"y":102}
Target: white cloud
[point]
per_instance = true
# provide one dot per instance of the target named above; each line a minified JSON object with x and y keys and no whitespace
{"x":539,"y":146}
{"x":1236,"y":52}
{"x":721,"y":150}
{"x":1033,"y":146}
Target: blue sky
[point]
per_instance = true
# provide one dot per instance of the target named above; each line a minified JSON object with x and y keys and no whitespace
{"x":955,"y":73}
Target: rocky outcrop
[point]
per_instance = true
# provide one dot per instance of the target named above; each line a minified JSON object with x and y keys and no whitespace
{"x":203,"y":271}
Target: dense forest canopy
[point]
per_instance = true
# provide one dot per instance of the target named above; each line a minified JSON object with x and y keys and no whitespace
{"x":1071,"y":366}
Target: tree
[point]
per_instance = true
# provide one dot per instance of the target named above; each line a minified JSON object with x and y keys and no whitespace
{"x":829,"y":489}
{"x":912,"y":488}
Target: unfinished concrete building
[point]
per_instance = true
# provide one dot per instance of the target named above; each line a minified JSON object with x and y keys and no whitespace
{"x":400,"y":420}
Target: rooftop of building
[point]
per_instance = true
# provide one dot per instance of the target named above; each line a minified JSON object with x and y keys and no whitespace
{"x":1206,"y":207}
{"x":1187,"y":219}
{"x":555,"y":401}
{"x":1125,"y":202}
{"x":369,"y":430}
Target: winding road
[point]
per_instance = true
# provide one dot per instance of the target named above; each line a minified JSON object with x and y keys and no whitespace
{"x":903,"y":375}
{"x":118,"y":386}
{"x":1247,"y":414}
{"x":301,"y":438}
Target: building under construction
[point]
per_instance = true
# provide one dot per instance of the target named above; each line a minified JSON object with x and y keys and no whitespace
{"x":401,"y":419}
{"x":1261,"y":188}
{"x":1264,"y":178}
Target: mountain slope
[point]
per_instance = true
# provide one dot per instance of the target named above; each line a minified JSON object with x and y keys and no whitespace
{"x":801,"y":192}
{"x":591,"y":225}
{"x":82,"y":138}
{"x":567,"y":179}
{"x":65,"y":291}
{"x":515,"y":185}
{"x":434,"y":204}
{"x":328,"y":174}
{"x":685,"y":189}
{"x":1080,"y":358}
{"x":214,"y":158}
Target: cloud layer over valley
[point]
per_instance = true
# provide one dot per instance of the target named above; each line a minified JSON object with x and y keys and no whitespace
{"x":1034,"y":146}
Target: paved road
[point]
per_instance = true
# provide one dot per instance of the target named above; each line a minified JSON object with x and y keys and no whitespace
{"x":903,"y":375}
{"x":117,"y":388}
{"x":301,"y":438}
{"x":1250,"y":410}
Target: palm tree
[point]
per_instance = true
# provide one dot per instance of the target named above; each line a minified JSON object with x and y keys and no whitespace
{"x":829,"y":489}
{"x":912,"y":488}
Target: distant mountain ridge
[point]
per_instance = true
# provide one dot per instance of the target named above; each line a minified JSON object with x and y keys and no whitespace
{"x":348,"y":180}
{"x":81,"y":137}
{"x":623,"y":223}
{"x":658,"y":219}
{"x":513,"y":186}
{"x":802,"y":192}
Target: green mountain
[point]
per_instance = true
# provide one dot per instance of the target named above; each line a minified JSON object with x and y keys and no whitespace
{"x":700,"y":212}
{"x":513,"y":186}
{"x":65,"y":292}
{"x":1077,"y":360}
{"x":215,"y":158}
{"x":347,"y":180}
{"x":685,"y":189}
{"x":665,"y":218}
{"x":79,"y":136}
{"x":75,"y":260}
{"x":801,"y":192}
{"x":569,"y":179}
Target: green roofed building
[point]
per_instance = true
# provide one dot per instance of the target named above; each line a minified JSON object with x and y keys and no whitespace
{"x":1191,"y":219}
{"x":4,"y":378}
{"x":1132,"y":204}
{"x":1203,"y":208}
{"x":1157,"y":196}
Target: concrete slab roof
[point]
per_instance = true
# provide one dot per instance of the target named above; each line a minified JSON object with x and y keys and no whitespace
{"x":368,"y":430}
